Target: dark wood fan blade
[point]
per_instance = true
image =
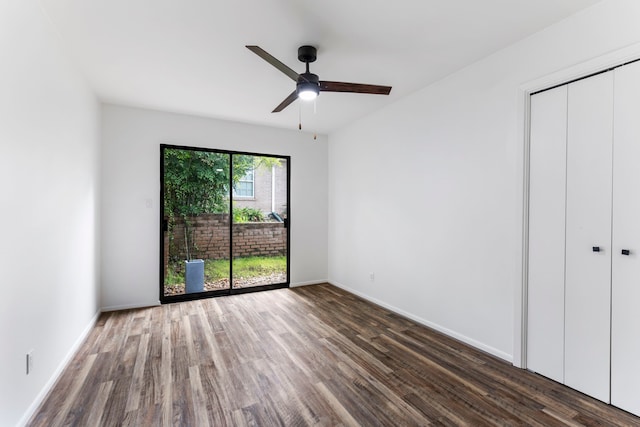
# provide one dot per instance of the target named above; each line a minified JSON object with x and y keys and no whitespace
{"x":354,"y":88}
{"x":284,"y":104}
{"x":273,"y":61}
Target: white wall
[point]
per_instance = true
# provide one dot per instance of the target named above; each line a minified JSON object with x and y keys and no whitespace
{"x":433,"y":204}
{"x":131,"y":178}
{"x":49,"y":194}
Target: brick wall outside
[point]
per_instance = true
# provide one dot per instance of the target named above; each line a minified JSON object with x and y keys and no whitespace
{"x":211,"y":234}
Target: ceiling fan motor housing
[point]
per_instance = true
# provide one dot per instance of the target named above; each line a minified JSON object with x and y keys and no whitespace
{"x":309,"y":78}
{"x":308,"y":82}
{"x":308,"y":85}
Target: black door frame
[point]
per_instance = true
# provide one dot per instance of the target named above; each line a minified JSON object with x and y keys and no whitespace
{"x":163,"y":225}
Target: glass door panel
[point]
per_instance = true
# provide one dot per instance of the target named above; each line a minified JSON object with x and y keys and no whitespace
{"x":196,"y":197}
{"x":259,"y":238}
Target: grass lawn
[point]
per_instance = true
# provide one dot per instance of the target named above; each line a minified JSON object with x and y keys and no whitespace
{"x":219,"y":269}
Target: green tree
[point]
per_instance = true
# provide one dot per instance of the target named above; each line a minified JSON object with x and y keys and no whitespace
{"x":197,"y":182}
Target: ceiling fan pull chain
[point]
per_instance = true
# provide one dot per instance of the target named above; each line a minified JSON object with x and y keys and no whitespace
{"x":299,"y":116}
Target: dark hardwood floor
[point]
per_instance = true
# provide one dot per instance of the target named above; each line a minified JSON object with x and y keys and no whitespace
{"x":313,"y":355}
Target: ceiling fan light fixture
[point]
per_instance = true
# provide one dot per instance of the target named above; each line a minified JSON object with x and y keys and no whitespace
{"x":307,"y":91}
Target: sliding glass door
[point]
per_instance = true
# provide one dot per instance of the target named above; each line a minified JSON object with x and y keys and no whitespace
{"x":224,"y":222}
{"x":259,"y":237}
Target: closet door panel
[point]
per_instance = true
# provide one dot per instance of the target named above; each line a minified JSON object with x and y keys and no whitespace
{"x":547,"y":160}
{"x":625,"y":327}
{"x":588,"y":272}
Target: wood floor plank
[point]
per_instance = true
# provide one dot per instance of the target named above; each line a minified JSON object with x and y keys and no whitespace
{"x":199,"y":399}
{"x":308,"y":356}
{"x":137,"y":380}
{"x":60,"y":413}
{"x":166,"y":376}
{"x":97,"y":409}
{"x":345,"y":416}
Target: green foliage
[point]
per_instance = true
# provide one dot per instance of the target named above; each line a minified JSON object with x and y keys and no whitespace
{"x":267,"y":162}
{"x":248,"y":267}
{"x":259,"y":266}
{"x":241,"y":215}
{"x":216,"y":269}
{"x":174,"y":276}
{"x":197,"y":182}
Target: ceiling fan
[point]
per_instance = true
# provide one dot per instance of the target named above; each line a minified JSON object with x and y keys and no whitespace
{"x":309,"y":85}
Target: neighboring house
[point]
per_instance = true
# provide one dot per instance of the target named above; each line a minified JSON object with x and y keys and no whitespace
{"x":263,"y":188}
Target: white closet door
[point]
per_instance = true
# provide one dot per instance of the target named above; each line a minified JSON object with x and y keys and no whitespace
{"x":588,"y":273}
{"x":547,"y":160}
{"x":625,"y":327}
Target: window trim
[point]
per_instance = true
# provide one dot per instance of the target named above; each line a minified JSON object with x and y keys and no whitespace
{"x":253,"y":186}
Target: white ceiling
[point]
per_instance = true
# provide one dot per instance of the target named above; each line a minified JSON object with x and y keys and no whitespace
{"x":188,"y":56}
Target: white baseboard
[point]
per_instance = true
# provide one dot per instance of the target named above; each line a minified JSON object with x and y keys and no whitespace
{"x":493,"y":351}
{"x":56,"y":374}
{"x":312,"y":282}
{"x":129,"y":306}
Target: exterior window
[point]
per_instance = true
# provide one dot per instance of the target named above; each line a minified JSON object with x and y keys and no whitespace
{"x":244,"y":187}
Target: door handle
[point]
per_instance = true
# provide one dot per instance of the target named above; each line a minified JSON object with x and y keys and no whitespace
{"x":596,"y":249}
{"x":626,"y":252}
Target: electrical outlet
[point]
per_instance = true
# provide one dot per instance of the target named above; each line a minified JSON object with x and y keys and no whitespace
{"x":372,"y":276}
{"x":29,"y":360}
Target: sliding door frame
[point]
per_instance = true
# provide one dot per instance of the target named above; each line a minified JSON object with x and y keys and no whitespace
{"x":164,"y":299}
